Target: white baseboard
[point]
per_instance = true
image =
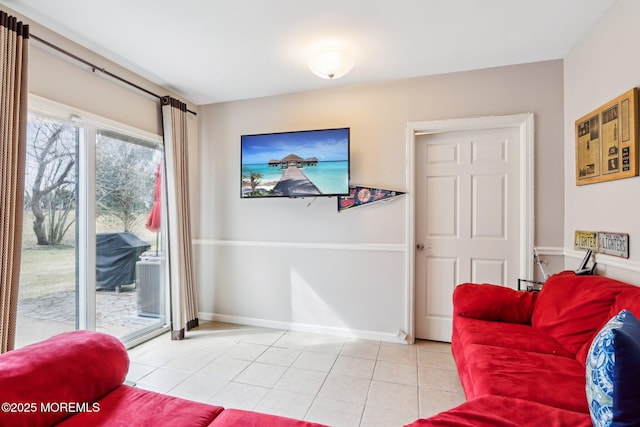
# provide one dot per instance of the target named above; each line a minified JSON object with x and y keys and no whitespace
{"x":302,"y":327}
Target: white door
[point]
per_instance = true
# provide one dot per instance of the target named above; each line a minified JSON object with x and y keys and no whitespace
{"x":467,"y":219}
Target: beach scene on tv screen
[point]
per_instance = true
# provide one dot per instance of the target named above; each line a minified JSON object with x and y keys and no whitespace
{"x":296,"y":164}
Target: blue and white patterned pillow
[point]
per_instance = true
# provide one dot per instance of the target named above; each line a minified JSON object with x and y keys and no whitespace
{"x":613,"y":368}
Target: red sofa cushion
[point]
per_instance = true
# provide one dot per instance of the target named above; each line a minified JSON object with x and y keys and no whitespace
{"x":499,"y":411}
{"x":571,"y":308}
{"x":78,"y":366}
{"x":551,"y":380}
{"x":128,"y":406}
{"x":510,"y":335}
{"x":629,"y":299}
{"x":493,"y":302}
{"x":240,"y":418}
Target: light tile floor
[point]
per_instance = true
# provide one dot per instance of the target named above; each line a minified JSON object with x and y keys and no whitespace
{"x":330,"y":380}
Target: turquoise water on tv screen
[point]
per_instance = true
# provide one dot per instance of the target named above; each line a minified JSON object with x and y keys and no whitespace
{"x":329,"y":177}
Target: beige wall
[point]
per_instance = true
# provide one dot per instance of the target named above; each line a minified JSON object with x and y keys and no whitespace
{"x":601,"y":67}
{"x":248,"y":249}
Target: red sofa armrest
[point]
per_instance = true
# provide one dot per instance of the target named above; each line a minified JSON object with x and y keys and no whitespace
{"x":78,"y":366}
{"x":493,"y":302}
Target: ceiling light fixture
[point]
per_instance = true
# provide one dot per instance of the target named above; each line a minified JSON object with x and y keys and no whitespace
{"x":331,"y":62}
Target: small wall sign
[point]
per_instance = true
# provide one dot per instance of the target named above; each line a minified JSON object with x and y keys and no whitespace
{"x":586,"y":240}
{"x":616,"y":244}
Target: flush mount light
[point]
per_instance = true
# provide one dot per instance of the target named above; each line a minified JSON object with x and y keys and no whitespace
{"x":331,"y":62}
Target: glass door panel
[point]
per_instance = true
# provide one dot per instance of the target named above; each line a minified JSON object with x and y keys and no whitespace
{"x":48,"y":275}
{"x":129,"y":290}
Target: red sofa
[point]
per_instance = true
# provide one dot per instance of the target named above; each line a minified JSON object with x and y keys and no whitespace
{"x":521,"y":355}
{"x":76,"y":379}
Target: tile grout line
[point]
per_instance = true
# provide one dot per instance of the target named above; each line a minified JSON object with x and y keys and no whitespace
{"x":315,"y":397}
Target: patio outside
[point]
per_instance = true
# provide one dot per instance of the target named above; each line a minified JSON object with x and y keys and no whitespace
{"x":47,"y":297}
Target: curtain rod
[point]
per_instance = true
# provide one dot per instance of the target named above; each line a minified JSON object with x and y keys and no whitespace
{"x":95,"y":68}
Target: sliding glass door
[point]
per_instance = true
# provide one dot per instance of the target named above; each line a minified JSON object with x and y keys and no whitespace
{"x":129,"y":297}
{"x":92,"y":256}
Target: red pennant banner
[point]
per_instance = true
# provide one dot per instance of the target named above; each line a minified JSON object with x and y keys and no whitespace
{"x":360,"y":195}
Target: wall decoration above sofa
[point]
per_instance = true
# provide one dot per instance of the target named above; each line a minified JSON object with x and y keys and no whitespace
{"x":604,"y":242}
{"x":607,"y":141}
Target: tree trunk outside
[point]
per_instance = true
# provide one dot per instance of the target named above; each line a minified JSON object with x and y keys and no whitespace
{"x":38,"y":221}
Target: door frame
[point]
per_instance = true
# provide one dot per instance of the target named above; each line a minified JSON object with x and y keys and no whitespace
{"x":524,"y":122}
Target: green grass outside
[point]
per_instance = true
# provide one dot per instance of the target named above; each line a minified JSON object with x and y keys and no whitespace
{"x":51,"y":269}
{"x":47,"y":270}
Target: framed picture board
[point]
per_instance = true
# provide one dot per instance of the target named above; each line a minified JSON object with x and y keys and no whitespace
{"x":607,"y":141}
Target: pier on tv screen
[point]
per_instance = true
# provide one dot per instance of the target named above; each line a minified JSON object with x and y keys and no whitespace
{"x":309,"y":163}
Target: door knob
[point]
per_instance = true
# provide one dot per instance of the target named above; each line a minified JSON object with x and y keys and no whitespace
{"x":420,"y":247}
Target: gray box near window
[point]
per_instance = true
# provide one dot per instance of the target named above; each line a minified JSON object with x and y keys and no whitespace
{"x":149,"y":288}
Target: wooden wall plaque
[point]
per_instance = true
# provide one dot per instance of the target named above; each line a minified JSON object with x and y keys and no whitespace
{"x":607,"y":141}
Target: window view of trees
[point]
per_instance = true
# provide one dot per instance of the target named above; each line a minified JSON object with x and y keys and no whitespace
{"x":124,"y":182}
{"x":50,"y":188}
{"x":124,"y":179}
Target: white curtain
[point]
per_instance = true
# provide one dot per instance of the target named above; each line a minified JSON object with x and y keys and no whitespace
{"x":184,"y":304}
{"x":14,"y":49}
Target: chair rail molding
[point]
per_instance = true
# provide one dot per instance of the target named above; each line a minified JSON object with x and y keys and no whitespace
{"x":377,"y":247}
{"x":549,"y":250}
{"x":607,"y":260}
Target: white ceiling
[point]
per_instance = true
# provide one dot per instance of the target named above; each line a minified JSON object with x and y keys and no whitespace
{"x":220,"y":50}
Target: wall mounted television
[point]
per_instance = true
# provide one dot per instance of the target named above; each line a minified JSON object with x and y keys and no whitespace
{"x":310,"y":163}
